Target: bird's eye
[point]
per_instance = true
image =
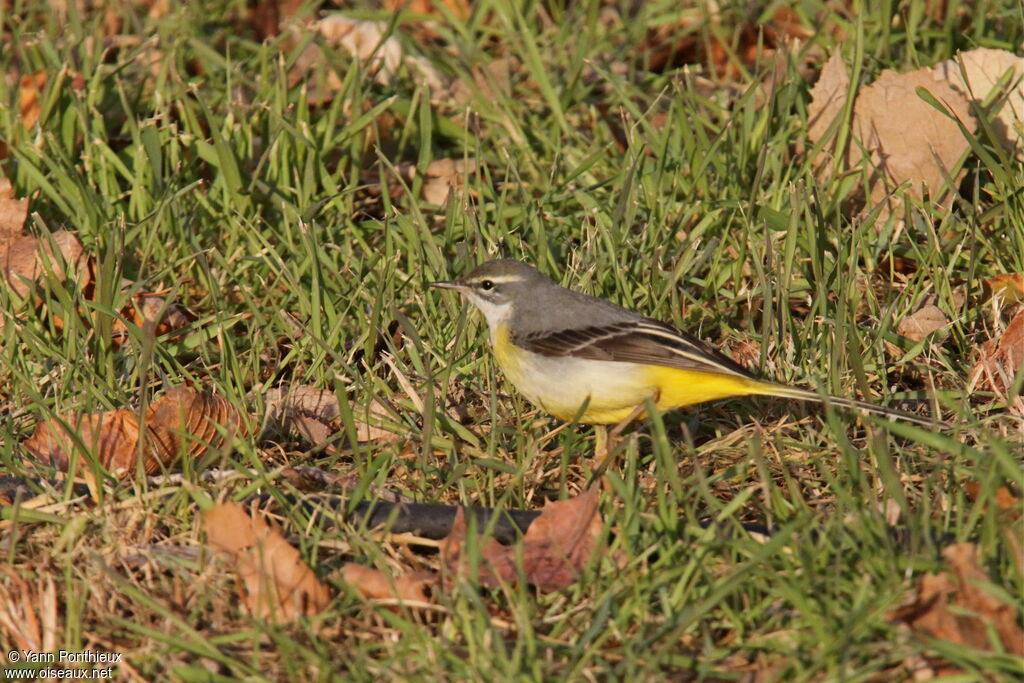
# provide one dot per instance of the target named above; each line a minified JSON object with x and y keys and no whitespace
{"x":486,"y":285}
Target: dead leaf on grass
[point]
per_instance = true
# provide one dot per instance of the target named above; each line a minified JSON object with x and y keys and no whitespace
{"x":374,"y":584}
{"x":903,"y":138}
{"x":423,"y":30}
{"x":554,"y":551}
{"x":954,"y":606}
{"x":488,"y":82}
{"x":189,"y":422}
{"x":316,"y":415}
{"x":380,"y":54}
{"x":30,"y":89}
{"x":151,"y":311}
{"x":25,"y":260}
{"x":13,"y":213}
{"x":922,"y":322}
{"x":1008,"y":288}
{"x":983,"y":70}
{"x":275,"y":584}
{"x":182,"y":421}
{"x":697,"y":38}
{"x":1011,"y":511}
{"x":1000,"y":360}
{"x":445,"y":176}
{"x":28,"y":611}
{"x":112,"y":436}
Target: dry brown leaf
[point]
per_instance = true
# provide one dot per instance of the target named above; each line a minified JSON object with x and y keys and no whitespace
{"x":151,"y":311}
{"x":315,"y":414}
{"x":444,"y":176}
{"x":828,"y":98}
{"x":961,"y":587}
{"x":30,"y":90}
{"x":1011,"y":511}
{"x":554,"y":551}
{"x":269,"y":17}
{"x":922,"y":322}
{"x":1001,"y":360}
{"x":374,"y":584}
{"x":28,"y":611}
{"x":1009,"y":288}
{"x":275,"y":583}
{"x":984,"y":68}
{"x":489,"y":81}
{"x":697,"y":39}
{"x":112,"y":436}
{"x":25,"y":260}
{"x":13,"y":213}
{"x":188,"y":422}
{"x":381,"y":54}
{"x":423,"y":31}
{"x":179,"y":416}
{"x":902,"y":138}
{"x":919,"y":146}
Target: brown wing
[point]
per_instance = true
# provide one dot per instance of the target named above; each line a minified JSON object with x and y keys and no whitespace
{"x":634,"y":341}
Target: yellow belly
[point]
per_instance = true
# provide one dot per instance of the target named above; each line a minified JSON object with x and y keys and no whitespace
{"x":610,"y":390}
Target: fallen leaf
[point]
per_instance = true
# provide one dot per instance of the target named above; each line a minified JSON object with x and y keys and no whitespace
{"x":1008,"y":288}
{"x":368,"y":41}
{"x":113,"y":437}
{"x":181,"y":416}
{"x":316,"y":415}
{"x":828,"y":99}
{"x":919,"y":146}
{"x":188,"y":422}
{"x":28,"y":610}
{"x":13,"y":213}
{"x":275,"y":583}
{"x":697,"y":38}
{"x":25,"y":260}
{"x":922,"y":322}
{"x":444,"y":176}
{"x":30,"y":89}
{"x":374,"y":584}
{"x":268,"y":17}
{"x":973,"y":611}
{"x":554,"y":551}
{"x":423,"y":30}
{"x":151,"y":311}
{"x":1011,"y":522}
{"x":983,"y":69}
{"x":488,"y":82}
{"x":1000,"y":360}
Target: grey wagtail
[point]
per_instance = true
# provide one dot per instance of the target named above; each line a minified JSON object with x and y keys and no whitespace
{"x":580,"y":357}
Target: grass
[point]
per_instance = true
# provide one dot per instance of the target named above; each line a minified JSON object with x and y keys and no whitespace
{"x":191,"y":158}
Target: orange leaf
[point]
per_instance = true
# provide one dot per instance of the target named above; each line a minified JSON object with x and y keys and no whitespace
{"x":13,"y":213}
{"x":112,"y":436}
{"x":29,"y":89}
{"x":930,"y":613}
{"x":1009,"y":287}
{"x":373,"y":584}
{"x":188,"y":422}
{"x":1001,"y":360}
{"x":25,"y":260}
{"x":275,"y":583}
{"x":554,"y":550}
{"x":922,"y":322}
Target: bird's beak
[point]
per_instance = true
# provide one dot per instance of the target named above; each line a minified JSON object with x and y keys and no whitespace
{"x":448,"y":284}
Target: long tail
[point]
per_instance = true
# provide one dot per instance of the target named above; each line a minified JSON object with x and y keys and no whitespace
{"x":784,"y":391}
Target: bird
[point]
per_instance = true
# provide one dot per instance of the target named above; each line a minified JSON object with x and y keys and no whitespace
{"x":587,"y":359}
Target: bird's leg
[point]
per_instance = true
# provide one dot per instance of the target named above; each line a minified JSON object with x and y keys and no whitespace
{"x":605,"y":442}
